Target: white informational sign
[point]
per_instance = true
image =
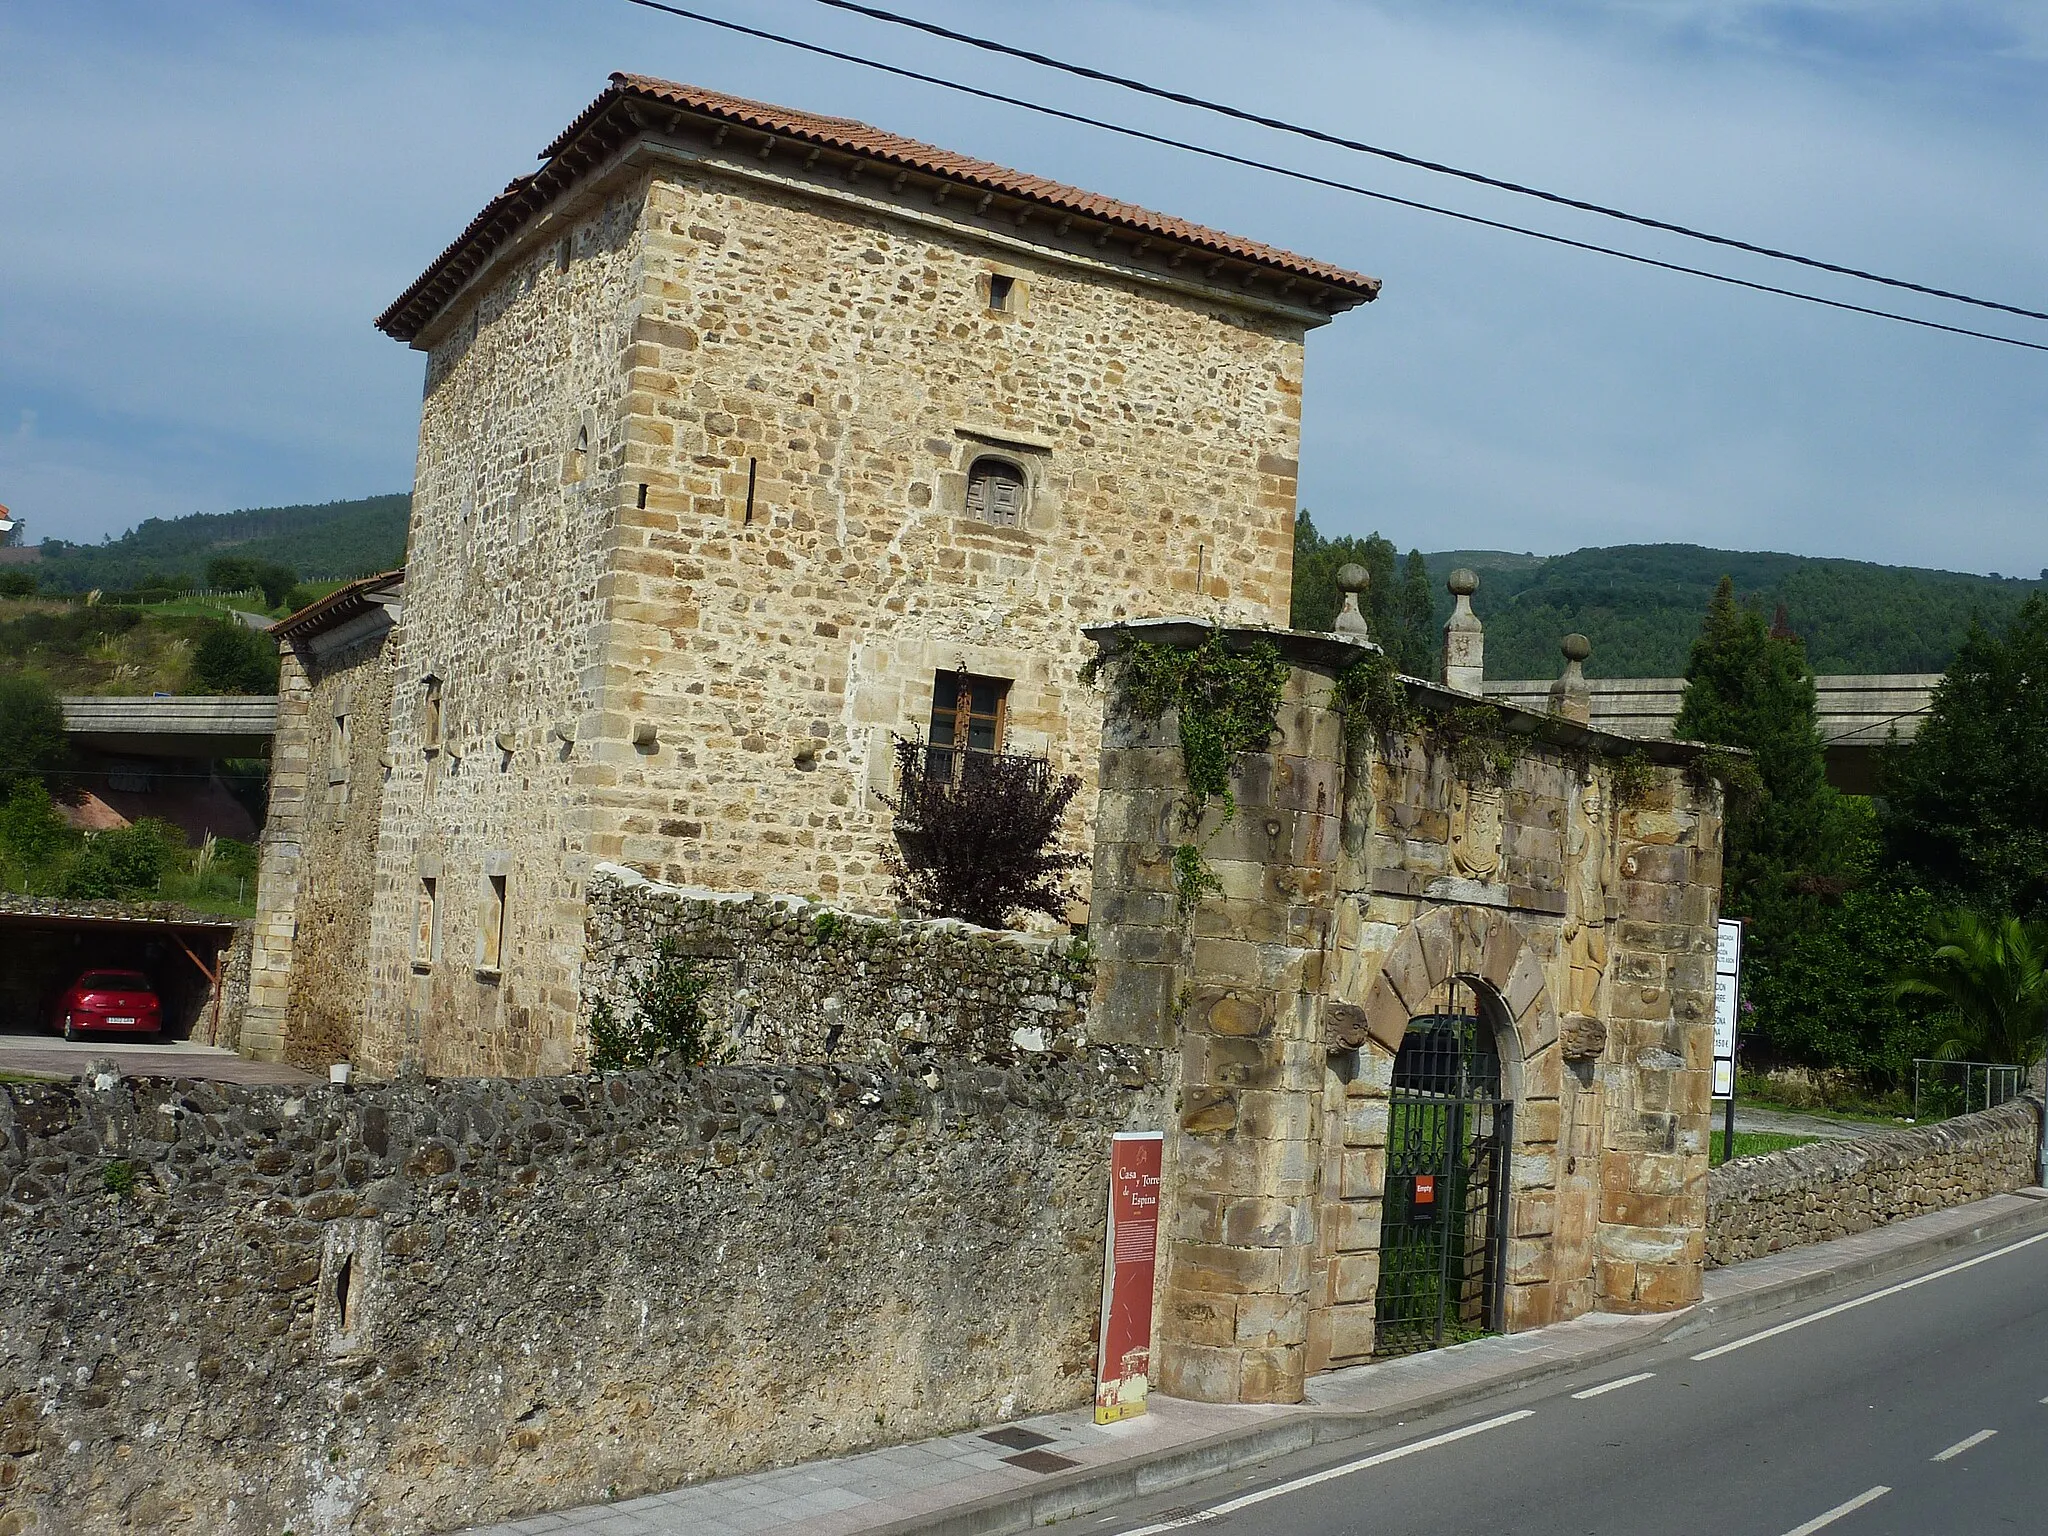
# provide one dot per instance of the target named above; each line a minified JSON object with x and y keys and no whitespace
{"x":1727,"y":993}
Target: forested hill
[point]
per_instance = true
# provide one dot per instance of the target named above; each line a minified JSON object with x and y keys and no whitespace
{"x":332,"y":540}
{"x":1641,"y":606}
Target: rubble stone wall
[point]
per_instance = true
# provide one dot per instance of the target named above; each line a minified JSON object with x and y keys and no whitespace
{"x":1831,"y":1189}
{"x":427,"y":1304}
{"x":793,"y":981}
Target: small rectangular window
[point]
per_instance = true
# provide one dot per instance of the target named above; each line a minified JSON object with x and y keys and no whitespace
{"x":968,"y":711}
{"x":337,"y":752}
{"x":491,"y":939}
{"x":1000,"y":289}
{"x":426,"y":939}
{"x":430,"y":727}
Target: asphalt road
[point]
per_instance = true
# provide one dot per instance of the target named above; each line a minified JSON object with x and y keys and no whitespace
{"x":1917,"y":1406}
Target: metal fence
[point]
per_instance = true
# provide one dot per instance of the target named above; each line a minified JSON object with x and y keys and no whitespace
{"x":1943,"y":1089}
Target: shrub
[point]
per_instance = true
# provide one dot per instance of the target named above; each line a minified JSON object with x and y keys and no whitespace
{"x":17,"y":584}
{"x":977,"y":835}
{"x":668,"y":1019}
{"x":125,"y":862}
{"x":32,"y":834}
{"x":232,"y":658}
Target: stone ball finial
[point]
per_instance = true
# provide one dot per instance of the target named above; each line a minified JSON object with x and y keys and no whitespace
{"x":1462,"y":582}
{"x":1576,"y":647}
{"x":1352,"y":577}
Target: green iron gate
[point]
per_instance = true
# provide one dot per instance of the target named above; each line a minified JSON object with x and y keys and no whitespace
{"x":1443,"y":1228}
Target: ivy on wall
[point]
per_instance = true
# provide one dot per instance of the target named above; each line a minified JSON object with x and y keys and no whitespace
{"x":1228,"y":703}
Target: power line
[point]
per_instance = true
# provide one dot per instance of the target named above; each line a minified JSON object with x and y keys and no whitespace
{"x":1324,"y":181}
{"x":1479,"y":178}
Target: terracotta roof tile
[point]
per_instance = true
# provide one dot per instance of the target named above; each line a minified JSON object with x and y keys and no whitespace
{"x":599,"y":128}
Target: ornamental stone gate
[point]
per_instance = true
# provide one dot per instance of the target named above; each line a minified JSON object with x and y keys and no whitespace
{"x":1554,"y":884}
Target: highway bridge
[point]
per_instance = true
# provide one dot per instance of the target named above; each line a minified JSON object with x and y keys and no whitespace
{"x":1857,"y":716}
{"x":194,"y":726}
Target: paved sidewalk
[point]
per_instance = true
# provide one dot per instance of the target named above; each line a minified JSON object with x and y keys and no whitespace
{"x":53,"y":1056}
{"x":1027,"y":1474}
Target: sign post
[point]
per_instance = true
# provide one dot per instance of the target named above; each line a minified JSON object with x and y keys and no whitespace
{"x":1123,"y":1360}
{"x":1727,"y":1000}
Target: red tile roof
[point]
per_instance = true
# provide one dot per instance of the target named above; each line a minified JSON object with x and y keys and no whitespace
{"x":336,"y":607}
{"x":609,"y":122}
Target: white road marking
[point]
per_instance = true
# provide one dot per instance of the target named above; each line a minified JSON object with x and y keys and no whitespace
{"x":1864,"y":1301}
{"x":1838,"y":1511}
{"x":1613,"y":1386}
{"x":1246,"y":1501}
{"x":1963,"y":1445}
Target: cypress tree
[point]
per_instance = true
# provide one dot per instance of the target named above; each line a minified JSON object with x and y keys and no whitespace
{"x":1746,"y":688}
{"x":1966,"y":805}
{"x":1418,"y":619}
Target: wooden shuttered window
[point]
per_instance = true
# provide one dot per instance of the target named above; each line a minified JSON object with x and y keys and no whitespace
{"x":995,"y":493}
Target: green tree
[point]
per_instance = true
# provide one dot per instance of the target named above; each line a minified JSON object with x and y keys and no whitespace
{"x":1416,"y":611}
{"x":230,"y":573}
{"x":32,"y":742}
{"x":277,"y":582}
{"x":1993,"y":975}
{"x":1966,"y":804}
{"x":1794,"y":851}
{"x":17,"y":583}
{"x":232,"y":658}
{"x":1746,"y":688}
{"x":1398,"y":609}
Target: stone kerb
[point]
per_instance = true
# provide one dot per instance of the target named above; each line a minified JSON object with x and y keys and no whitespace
{"x":1831,"y":1189}
{"x":796,"y":981}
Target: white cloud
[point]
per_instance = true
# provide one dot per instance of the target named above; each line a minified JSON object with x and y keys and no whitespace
{"x":206,"y":210}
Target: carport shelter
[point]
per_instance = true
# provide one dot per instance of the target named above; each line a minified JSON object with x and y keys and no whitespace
{"x":45,"y":945}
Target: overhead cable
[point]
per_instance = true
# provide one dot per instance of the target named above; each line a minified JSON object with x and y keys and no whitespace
{"x":1325,"y":181}
{"x":1479,"y":178}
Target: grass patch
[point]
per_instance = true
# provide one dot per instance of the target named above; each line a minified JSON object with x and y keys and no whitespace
{"x":1756,"y":1144}
{"x":30,"y":1077}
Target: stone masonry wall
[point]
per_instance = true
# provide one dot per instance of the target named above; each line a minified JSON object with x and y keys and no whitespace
{"x":831,"y":353}
{"x":239,"y":1311}
{"x":329,"y":993}
{"x":280,"y":862}
{"x":1831,"y":1189}
{"x":797,"y":982}
{"x":507,"y":588}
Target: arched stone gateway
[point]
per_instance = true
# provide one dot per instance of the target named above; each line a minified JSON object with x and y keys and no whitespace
{"x":1452,"y":962}
{"x":1545,"y":901}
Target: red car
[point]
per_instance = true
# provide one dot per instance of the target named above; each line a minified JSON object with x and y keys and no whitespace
{"x":110,"y":1002}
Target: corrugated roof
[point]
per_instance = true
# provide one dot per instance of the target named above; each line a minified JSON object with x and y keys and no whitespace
{"x":608,"y":122}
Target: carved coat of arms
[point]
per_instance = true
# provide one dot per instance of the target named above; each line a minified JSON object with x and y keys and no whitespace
{"x":1476,"y":811}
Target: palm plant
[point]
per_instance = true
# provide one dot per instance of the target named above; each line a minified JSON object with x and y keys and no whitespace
{"x":1993,"y":974}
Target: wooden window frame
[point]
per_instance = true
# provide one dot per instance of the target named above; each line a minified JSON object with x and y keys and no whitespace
{"x":988,"y":469}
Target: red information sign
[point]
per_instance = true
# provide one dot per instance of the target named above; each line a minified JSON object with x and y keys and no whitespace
{"x":1124,"y":1357}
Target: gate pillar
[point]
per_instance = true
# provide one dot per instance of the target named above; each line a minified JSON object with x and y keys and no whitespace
{"x":1233,"y":984}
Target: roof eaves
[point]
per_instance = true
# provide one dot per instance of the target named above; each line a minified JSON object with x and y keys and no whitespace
{"x":572,"y":151}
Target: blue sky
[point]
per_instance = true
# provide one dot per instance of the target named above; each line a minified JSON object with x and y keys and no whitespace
{"x":207,"y":203}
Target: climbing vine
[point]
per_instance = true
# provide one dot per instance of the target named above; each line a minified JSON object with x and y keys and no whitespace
{"x":1227,"y":701}
{"x":1374,"y":703}
{"x":1632,"y":780}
